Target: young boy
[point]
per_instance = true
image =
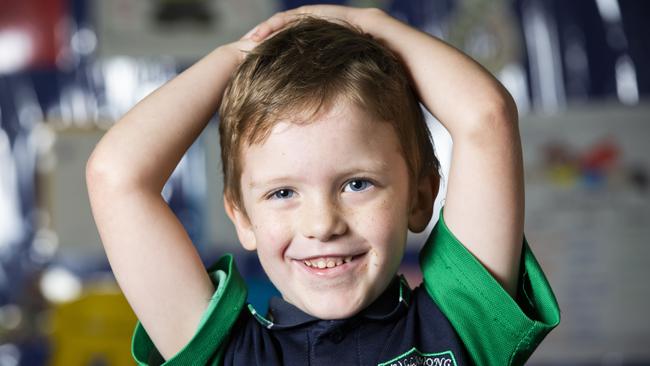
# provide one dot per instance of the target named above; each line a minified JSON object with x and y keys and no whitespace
{"x":327,"y":164}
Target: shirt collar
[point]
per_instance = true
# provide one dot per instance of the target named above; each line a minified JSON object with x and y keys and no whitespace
{"x":392,"y":302}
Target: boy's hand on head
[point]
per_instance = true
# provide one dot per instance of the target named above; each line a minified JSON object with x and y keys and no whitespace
{"x":246,"y":43}
{"x":243,"y":46}
{"x":279,"y":20}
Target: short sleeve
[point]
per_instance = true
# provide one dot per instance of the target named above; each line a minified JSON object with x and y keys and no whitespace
{"x":207,"y":345}
{"x":495,"y":328}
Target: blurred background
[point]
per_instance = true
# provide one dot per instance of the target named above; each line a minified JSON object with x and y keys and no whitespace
{"x":579,"y":71}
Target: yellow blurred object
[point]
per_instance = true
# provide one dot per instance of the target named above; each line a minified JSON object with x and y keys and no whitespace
{"x":93,"y":330}
{"x":565,"y":175}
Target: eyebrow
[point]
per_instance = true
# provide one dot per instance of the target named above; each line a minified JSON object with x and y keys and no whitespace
{"x":270,"y":182}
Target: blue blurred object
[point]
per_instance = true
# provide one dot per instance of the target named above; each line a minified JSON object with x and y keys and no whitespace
{"x":578,"y":51}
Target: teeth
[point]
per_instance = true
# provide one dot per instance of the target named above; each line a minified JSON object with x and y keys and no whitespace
{"x":322,"y":263}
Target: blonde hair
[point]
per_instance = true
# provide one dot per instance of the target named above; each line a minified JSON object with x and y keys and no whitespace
{"x":305,"y":69}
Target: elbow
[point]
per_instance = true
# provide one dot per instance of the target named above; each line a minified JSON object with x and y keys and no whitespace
{"x":106,"y":177}
{"x":500,"y":110}
{"x":497,"y":117}
{"x":96,"y":174}
{"x":92,"y":171}
{"x":508,"y":108}
{"x":102,"y":176}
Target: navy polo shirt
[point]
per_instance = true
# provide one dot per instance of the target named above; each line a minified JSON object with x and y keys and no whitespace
{"x":383,"y":333}
{"x":459,"y":315}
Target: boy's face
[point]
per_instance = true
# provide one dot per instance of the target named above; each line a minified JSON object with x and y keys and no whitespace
{"x":328,"y":209}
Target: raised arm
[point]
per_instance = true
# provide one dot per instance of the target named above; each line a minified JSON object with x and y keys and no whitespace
{"x":484,"y":206}
{"x":152,"y":257}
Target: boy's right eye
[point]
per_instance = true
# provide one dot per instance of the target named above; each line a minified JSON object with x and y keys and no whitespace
{"x":282,"y":194}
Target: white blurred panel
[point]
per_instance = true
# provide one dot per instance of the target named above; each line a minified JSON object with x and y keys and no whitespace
{"x":588,"y":223}
{"x":132,"y":28}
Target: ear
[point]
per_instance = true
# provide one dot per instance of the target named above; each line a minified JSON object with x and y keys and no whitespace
{"x":422,"y":202}
{"x":242,"y":224}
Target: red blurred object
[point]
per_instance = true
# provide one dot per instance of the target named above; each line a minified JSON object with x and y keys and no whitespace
{"x":600,"y":157}
{"x":33,"y":33}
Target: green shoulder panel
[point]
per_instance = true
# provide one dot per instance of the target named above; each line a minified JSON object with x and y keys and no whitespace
{"x":495,"y":329}
{"x":207,"y":345}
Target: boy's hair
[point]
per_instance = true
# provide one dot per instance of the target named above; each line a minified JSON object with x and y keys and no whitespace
{"x":305,"y":69}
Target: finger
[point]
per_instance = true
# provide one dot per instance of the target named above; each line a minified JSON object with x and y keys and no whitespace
{"x":303,"y":10}
{"x":272,"y":25}
{"x":265,"y":28}
{"x":249,"y":34}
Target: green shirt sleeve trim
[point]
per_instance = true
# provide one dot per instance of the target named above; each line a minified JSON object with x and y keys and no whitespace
{"x":207,"y":345}
{"x":495,"y":328}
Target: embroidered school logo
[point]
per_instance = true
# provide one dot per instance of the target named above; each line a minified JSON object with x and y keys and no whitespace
{"x":417,"y":358}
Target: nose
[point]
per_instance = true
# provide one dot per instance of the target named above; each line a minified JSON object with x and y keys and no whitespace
{"x":322,"y":220}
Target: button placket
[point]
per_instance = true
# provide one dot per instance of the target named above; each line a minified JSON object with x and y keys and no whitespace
{"x":336,"y":336}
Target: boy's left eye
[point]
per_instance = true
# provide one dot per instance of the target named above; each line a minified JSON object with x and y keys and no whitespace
{"x":357,"y":185}
{"x":282,"y":194}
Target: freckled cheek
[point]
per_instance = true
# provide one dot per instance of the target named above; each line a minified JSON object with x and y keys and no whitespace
{"x":387,"y":231}
{"x":273,"y":236}
{"x":382,"y":227}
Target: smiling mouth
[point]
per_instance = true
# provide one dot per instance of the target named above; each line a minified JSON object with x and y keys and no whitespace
{"x":329,"y":262}
{"x":326,"y":262}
